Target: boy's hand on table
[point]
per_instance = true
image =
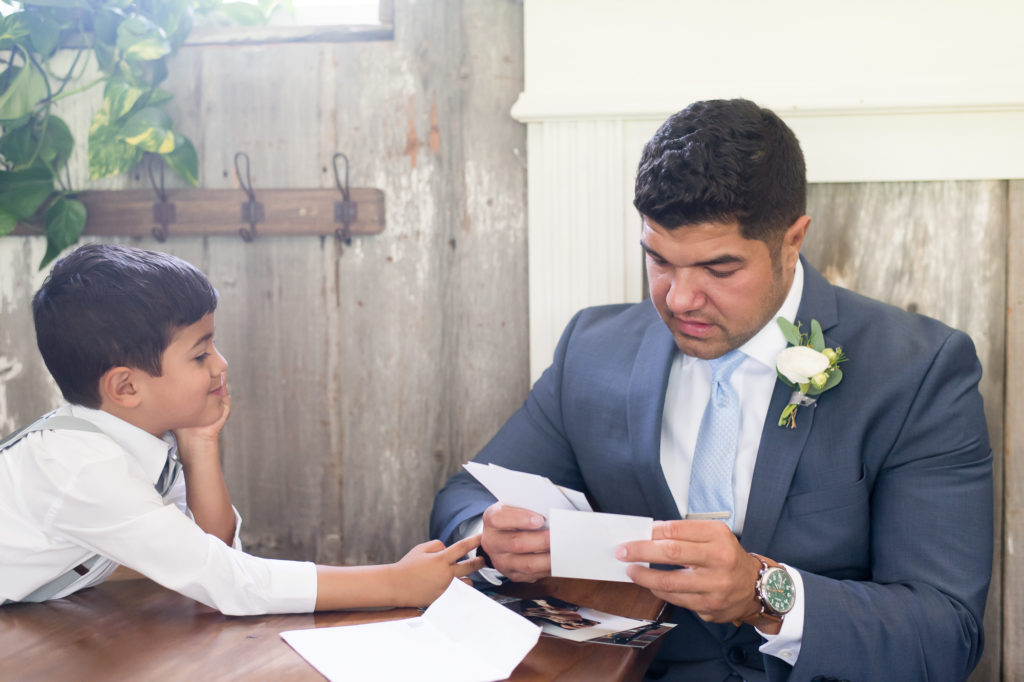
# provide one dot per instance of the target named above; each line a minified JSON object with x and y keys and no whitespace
{"x":427,"y":570}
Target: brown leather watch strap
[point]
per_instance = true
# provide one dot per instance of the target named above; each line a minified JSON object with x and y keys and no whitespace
{"x":763,"y":620}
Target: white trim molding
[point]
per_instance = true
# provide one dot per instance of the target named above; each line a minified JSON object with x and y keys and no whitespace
{"x":876,"y":91}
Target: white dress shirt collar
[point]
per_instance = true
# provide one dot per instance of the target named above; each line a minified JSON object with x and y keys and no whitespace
{"x":766,"y":345}
{"x":147,"y":449}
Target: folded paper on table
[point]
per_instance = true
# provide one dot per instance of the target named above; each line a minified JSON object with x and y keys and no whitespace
{"x":463,"y":636}
{"x":583,"y":544}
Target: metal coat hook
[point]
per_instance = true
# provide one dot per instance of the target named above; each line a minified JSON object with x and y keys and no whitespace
{"x":345,"y":211}
{"x":163,"y":212}
{"x":252,"y":210}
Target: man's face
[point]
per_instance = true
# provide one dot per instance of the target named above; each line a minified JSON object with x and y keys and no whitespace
{"x":712,"y":287}
{"x":190,"y":389}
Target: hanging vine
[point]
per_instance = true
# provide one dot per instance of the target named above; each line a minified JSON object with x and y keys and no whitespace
{"x":130,"y":41}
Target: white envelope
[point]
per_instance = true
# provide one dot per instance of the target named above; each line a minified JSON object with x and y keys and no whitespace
{"x":464,"y":636}
{"x":525,"y":490}
{"x":583,"y":543}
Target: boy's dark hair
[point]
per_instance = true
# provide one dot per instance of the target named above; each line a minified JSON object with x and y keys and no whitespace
{"x":105,"y":306}
{"x":720,"y":161}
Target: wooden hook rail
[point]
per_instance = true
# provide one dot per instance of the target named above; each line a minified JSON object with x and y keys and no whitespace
{"x":198,"y":212}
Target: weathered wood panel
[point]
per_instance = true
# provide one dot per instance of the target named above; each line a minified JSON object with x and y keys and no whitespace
{"x":937,"y":248}
{"x":361,"y":376}
{"x":1013,"y":572}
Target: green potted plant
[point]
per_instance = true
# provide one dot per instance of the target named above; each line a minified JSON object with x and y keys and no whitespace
{"x":130,"y":41}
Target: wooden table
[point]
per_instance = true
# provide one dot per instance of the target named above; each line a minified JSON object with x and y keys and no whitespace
{"x":136,"y":630}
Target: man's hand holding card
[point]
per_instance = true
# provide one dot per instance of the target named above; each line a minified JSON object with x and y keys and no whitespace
{"x":538,"y":529}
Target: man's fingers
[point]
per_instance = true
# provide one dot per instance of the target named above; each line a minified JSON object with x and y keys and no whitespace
{"x":656,"y":580}
{"x":523,"y":567}
{"x":517,"y":542}
{"x":690,"y":531}
{"x":501,"y":517}
{"x":660,"y":552}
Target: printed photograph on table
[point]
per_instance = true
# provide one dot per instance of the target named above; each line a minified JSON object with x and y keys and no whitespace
{"x":565,"y":620}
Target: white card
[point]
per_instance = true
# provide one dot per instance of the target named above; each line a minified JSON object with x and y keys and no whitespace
{"x":583,"y":543}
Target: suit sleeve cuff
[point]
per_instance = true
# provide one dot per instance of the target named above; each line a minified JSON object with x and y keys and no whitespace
{"x":786,"y":645}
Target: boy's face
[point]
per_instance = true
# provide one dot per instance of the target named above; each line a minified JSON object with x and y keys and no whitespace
{"x":190,"y":390}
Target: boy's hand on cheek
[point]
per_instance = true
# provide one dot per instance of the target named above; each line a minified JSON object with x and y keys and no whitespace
{"x":197,"y":439}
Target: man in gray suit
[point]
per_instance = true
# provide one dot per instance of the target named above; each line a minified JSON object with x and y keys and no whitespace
{"x":857,"y":536}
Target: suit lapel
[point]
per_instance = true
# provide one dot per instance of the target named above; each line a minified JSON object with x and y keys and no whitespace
{"x":781,"y":447}
{"x":647,"y":385}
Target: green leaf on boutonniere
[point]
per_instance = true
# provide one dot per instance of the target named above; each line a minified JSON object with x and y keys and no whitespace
{"x":817,"y":340}
{"x":789,"y":330}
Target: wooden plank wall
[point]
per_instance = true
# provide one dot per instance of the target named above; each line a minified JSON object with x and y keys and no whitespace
{"x":937,"y":248}
{"x":1013,"y":572}
{"x":361,"y":376}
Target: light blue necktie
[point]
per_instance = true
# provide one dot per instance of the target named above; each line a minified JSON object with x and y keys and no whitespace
{"x":715,"y":454}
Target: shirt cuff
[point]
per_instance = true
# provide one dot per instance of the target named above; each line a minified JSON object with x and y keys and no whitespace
{"x":293,"y":586}
{"x":786,"y":645}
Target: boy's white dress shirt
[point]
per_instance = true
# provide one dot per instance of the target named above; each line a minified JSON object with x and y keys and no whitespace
{"x":68,"y":495}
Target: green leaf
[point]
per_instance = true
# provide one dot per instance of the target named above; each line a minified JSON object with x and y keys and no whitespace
{"x":109,"y":155}
{"x":106,"y":56}
{"x":183,"y":160}
{"x":119,"y":99}
{"x":817,"y":338}
{"x":45,"y":33}
{"x":23,"y":192}
{"x":22,"y":147}
{"x":13,"y":30}
{"x":138,"y":38}
{"x":57,"y":143}
{"x":26,"y":91}
{"x":105,"y":21}
{"x":65,"y":220}
{"x":8,"y":221}
{"x":789,"y":330}
{"x":18,"y":146}
{"x":149,"y":129}
{"x":159,"y":96}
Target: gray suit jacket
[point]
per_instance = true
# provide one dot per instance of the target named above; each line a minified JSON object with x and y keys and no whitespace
{"x":881,"y":496}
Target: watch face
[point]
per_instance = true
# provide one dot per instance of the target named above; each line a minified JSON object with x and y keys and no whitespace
{"x":777,"y":590}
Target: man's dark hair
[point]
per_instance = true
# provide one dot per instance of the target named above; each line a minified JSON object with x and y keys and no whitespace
{"x":105,"y":306}
{"x":720,"y":161}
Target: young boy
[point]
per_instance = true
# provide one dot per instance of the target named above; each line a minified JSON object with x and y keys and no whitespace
{"x":128,"y":336}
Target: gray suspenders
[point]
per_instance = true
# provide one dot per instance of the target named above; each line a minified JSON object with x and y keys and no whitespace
{"x":67,"y":422}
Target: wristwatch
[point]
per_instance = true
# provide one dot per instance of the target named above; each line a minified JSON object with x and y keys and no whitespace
{"x":774,"y":590}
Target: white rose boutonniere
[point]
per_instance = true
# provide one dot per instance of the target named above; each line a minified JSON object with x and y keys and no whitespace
{"x":807,"y":367}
